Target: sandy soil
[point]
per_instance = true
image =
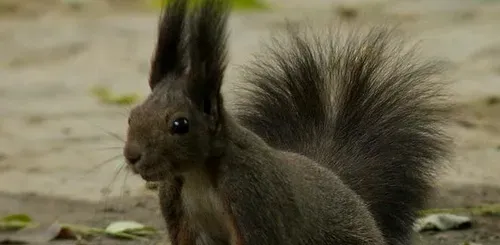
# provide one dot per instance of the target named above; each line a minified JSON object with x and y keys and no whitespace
{"x":55,"y":137}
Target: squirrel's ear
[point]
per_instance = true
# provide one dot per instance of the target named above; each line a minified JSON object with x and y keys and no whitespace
{"x":208,"y":54}
{"x":169,"y":55}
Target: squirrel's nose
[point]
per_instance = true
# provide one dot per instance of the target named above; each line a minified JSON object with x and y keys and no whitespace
{"x":132,"y":153}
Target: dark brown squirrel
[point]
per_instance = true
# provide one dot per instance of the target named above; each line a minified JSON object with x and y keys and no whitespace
{"x":333,"y":142}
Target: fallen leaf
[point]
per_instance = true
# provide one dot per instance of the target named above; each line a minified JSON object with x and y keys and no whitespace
{"x":442,"y":222}
{"x":62,"y":232}
{"x":15,"y":222}
{"x":17,"y":217}
{"x":82,"y":231}
{"x":129,"y":230}
{"x":236,"y":4}
{"x":105,"y":96}
{"x":123,"y":226}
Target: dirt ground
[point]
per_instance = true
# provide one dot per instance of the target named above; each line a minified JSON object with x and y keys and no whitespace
{"x":55,"y":137}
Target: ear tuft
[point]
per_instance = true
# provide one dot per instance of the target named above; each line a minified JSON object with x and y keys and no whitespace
{"x":169,"y":55}
{"x":208,"y":48}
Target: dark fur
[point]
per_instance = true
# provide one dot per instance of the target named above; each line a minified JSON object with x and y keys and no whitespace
{"x":335,"y":137}
{"x":169,"y":56}
{"x":360,"y":107}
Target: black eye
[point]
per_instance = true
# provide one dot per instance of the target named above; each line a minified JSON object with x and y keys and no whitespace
{"x":129,"y":120}
{"x":180,"y":126}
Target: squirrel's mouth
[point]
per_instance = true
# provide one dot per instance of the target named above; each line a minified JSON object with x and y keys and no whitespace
{"x":155,"y":173}
{"x":153,"y":176}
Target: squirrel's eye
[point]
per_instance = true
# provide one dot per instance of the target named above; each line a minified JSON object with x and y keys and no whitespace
{"x":129,"y":120}
{"x":180,"y":126}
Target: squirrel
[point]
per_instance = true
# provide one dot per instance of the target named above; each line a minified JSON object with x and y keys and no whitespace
{"x":332,"y":142}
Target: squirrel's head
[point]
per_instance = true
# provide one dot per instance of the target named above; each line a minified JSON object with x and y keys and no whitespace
{"x":179,"y":124}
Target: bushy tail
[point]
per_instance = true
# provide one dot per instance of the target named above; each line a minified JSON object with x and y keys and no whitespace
{"x":359,"y":106}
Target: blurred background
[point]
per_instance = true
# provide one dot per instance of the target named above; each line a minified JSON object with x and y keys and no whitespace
{"x":71,"y":69}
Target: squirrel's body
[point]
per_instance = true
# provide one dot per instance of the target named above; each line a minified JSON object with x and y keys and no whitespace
{"x":282,"y":182}
{"x":335,"y":142}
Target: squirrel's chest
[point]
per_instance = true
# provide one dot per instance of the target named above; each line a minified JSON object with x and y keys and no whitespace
{"x":204,"y":210}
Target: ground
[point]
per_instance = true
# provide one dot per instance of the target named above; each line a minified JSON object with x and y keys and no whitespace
{"x":54,"y":134}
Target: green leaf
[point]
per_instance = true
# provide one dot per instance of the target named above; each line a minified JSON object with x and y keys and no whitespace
{"x":249,"y":4}
{"x":17,"y":217}
{"x":236,"y":4}
{"x":105,"y":96}
{"x":16,"y":222}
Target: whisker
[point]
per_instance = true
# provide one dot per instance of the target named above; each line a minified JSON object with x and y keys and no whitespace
{"x":100,"y":165}
{"x":107,"y":190}
{"x":124,"y":184}
{"x":109,"y":133}
{"x":117,"y":172}
{"x":126,"y":112}
{"x":124,"y":189}
{"x":115,"y":135}
{"x":108,"y":148}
